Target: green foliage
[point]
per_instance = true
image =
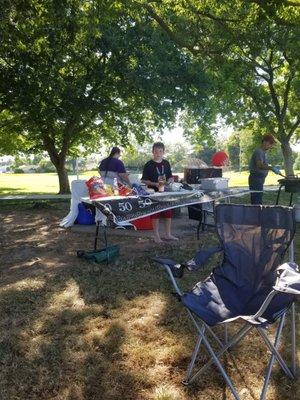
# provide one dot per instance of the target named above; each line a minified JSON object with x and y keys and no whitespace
{"x":297,"y":162}
{"x":250,"y":50}
{"x":45,"y":166}
{"x":18,"y":170}
{"x":136,"y":156}
{"x":83,"y":73}
{"x":241,"y":144}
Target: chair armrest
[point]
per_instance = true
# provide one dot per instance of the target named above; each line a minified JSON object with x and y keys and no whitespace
{"x":201,"y":258}
{"x":174,"y":266}
{"x":288,"y":279}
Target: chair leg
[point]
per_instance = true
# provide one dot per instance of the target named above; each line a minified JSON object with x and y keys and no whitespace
{"x":220,"y":367}
{"x":214,"y":356}
{"x":194,"y":356}
{"x":196,"y":351}
{"x":272,"y":359}
{"x":275,"y":353}
{"x":225,"y":333}
{"x":220,"y":343}
{"x":233,"y":341}
{"x":293,"y":329}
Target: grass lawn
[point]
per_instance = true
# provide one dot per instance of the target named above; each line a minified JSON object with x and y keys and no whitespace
{"x":74,"y":330}
{"x":48,"y":183}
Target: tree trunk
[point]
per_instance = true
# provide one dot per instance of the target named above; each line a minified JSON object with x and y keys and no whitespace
{"x":59,"y":161}
{"x":64,"y":185}
{"x":288,"y":158}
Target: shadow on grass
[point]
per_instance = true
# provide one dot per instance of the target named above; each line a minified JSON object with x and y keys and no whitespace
{"x":6,"y":191}
{"x":59,"y":352}
{"x":64,"y":338}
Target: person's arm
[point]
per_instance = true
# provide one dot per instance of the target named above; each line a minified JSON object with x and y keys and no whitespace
{"x":268,"y":167}
{"x":149,"y":183}
{"x":261,"y":165}
{"x":260,"y":161}
{"x":146,"y":176}
{"x":124,"y":176}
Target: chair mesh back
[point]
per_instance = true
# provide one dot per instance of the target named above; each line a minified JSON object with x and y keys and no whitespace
{"x":255,"y":239}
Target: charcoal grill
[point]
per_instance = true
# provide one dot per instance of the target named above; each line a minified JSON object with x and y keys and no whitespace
{"x":291,"y":184}
{"x":194,"y":175}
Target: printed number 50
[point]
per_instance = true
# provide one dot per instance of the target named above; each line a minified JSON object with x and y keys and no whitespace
{"x":125,"y":206}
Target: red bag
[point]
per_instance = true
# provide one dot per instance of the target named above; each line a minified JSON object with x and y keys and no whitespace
{"x":95,"y":187}
{"x":124,"y":190}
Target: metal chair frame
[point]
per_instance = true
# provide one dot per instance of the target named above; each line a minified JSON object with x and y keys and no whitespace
{"x":256,"y":322}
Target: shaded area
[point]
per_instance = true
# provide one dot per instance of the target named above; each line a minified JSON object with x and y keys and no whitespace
{"x":70,"y":329}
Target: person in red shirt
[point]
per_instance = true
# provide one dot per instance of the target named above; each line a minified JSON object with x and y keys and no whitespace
{"x":156,"y":174}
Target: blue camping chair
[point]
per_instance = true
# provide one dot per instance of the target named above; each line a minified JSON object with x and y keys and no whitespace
{"x":250,"y":284}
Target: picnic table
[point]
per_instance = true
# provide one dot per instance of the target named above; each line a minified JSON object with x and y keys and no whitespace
{"x":119,"y":211}
{"x":129,"y":208}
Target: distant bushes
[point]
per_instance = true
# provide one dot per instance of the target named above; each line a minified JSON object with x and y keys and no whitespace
{"x":45,"y":166}
{"x":297,"y":162}
{"x":18,"y":170}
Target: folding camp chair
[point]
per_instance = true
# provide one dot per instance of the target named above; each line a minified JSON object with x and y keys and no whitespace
{"x":249,"y":284}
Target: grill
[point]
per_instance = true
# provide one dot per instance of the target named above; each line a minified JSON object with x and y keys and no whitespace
{"x":291,"y":185}
{"x":194,"y":175}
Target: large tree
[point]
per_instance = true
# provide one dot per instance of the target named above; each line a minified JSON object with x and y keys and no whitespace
{"x":75,"y":72}
{"x":251,"y":51}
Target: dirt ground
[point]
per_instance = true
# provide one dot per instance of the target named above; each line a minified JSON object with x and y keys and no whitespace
{"x":75,"y":330}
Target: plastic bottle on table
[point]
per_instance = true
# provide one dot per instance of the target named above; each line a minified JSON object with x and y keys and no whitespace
{"x":116,"y":187}
{"x":161,"y":183}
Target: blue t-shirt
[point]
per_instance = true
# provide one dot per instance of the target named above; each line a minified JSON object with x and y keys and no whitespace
{"x":112,"y":164}
{"x":110,"y":168}
{"x":258,"y":155}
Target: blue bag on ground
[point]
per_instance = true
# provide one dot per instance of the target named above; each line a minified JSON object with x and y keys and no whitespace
{"x":85,"y":215}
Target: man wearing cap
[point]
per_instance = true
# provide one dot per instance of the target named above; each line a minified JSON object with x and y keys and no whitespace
{"x":259,"y":168}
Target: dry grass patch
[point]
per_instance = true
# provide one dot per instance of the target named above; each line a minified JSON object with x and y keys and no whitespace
{"x":71,"y":330}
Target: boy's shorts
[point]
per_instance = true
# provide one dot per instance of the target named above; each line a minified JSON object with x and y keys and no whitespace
{"x":162,"y":214}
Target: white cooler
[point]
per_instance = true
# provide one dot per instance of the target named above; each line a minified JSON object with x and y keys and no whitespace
{"x":214,"y":183}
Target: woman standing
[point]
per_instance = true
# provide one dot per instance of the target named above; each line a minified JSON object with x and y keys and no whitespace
{"x":111,"y":168}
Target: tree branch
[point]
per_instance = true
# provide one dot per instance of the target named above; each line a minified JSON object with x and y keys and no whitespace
{"x":286,"y":94}
{"x":293,"y":128}
{"x":211,"y":16}
{"x":169,"y":31}
{"x":259,"y":105}
{"x":272,"y":88}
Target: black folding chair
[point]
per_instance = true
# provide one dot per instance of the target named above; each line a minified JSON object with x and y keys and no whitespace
{"x":250,"y":284}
